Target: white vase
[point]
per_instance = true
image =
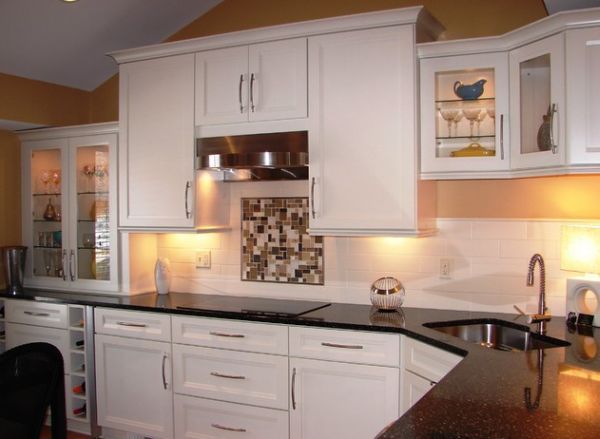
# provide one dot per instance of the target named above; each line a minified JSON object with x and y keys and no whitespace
{"x":162,"y":275}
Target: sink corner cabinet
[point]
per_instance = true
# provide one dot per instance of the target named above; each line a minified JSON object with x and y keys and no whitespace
{"x":69,"y":207}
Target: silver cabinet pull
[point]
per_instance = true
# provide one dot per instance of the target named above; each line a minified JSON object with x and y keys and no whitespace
{"x":222,"y":427}
{"x":36,"y":314}
{"x":502,"y":137}
{"x":71,"y":265}
{"x":312,"y":198}
{"x":432,"y":383}
{"x":240,"y":93}
{"x":294,"y":389}
{"x":343,"y":346}
{"x":553,"y":111}
{"x":223,"y":334}
{"x":64,"y":264}
{"x":252,"y":78}
{"x":232,"y":377}
{"x":188,"y":185}
{"x":135,"y":325}
{"x":164,"y":377}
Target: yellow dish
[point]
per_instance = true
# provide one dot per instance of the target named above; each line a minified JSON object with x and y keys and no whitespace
{"x":473,"y":150}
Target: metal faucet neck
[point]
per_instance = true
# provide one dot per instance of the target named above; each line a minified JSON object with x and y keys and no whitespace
{"x":537,"y":259}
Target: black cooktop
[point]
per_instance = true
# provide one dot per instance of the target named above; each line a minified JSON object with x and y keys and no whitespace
{"x":254,"y":306}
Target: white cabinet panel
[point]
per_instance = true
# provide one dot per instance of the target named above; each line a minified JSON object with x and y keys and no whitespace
{"x":414,"y":388}
{"x":257,"y":379}
{"x":18,"y":334}
{"x":583,"y":95}
{"x":203,"y":418}
{"x":222,"y":86}
{"x":36,"y":313}
{"x":133,"y":381}
{"x":339,"y":400}
{"x":427,"y":361}
{"x":340,"y":345}
{"x":156,"y":150}
{"x":362,"y":140}
{"x":537,"y":85}
{"x":230,"y":334}
{"x":136,"y":324}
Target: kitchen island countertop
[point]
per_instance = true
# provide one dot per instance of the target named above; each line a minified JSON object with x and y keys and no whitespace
{"x":484,"y":396}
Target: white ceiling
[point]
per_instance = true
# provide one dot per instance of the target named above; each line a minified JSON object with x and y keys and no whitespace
{"x":65,"y":43}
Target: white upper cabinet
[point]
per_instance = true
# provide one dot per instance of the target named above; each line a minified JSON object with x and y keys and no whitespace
{"x":583,"y":96}
{"x":362,"y":140}
{"x":259,"y":82}
{"x":464,"y":115}
{"x":156,"y":151}
{"x":538,"y":111}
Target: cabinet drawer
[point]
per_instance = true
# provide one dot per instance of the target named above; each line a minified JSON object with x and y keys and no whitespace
{"x":51,"y":315}
{"x":227,"y":334}
{"x":346,"y":346}
{"x":18,"y":334}
{"x":247,"y":378}
{"x":427,"y":361}
{"x":144,"y":325}
{"x":198,"y":417}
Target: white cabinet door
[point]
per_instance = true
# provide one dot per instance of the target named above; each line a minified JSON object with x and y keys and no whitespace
{"x":133,"y":383}
{"x":414,"y":388}
{"x":278,"y":80}
{"x":583,"y":96}
{"x":252,"y":83}
{"x":156,"y":151}
{"x":209,"y":419}
{"x":362,"y":143}
{"x":537,"y":104}
{"x":451,"y":125}
{"x":340,"y":400}
{"x":222,"y":86}
{"x":18,"y":334}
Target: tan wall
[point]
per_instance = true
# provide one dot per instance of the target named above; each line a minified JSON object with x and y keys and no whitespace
{"x":27,"y":100}
{"x":10,"y":194}
{"x":105,"y":101}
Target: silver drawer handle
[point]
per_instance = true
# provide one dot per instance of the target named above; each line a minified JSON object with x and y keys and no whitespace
{"x":343,"y":346}
{"x":36,"y":314}
{"x":164,"y":377}
{"x":294,"y":389}
{"x":224,"y":334}
{"x":222,"y":427}
{"x":233,"y":377}
{"x":135,"y":325}
{"x":554,"y":146}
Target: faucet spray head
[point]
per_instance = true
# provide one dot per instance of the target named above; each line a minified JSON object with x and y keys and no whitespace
{"x":530,"y":277}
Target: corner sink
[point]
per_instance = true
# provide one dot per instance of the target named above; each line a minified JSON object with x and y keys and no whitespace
{"x":497,"y":334}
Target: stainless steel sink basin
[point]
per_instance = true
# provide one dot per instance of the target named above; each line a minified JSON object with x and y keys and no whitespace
{"x":497,"y":334}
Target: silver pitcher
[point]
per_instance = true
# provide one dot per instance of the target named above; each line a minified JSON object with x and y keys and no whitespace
{"x":14,"y":267}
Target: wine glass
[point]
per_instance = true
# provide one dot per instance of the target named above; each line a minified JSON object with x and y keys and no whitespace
{"x":472,"y":115}
{"x":55,"y":177}
{"x":47,"y":255}
{"x":45,"y":179}
{"x":88,"y":171}
{"x":480,"y":117}
{"x":448,"y":114}
{"x":459,"y":116}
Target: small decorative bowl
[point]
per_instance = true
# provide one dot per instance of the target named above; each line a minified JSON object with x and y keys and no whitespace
{"x":387,"y":293}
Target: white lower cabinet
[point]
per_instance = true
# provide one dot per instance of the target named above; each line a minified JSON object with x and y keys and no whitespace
{"x":422,"y":367}
{"x":204,"y":418}
{"x":331,"y":399}
{"x":133,"y":380}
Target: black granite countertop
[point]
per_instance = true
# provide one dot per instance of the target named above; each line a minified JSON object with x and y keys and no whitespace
{"x":482,"y":397}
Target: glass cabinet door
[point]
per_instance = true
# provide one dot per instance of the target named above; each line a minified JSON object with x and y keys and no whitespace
{"x":47,"y":196}
{"x":463,"y":108}
{"x":537,"y":90}
{"x":93,"y":229}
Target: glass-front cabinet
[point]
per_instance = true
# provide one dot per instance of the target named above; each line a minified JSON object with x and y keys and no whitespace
{"x":537,"y":78}
{"x":69,"y":206}
{"x":464,"y":115}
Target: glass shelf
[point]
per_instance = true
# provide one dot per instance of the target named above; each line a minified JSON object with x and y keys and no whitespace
{"x":49,"y":194}
{"x":469,"y":138}
{"x":102,"y":193}
{"x":465,"y":101}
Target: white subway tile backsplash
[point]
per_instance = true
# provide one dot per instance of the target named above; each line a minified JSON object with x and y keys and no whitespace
{"x":488,"y":262}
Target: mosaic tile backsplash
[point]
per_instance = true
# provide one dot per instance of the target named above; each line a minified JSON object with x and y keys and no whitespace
{"x":275,"y":244}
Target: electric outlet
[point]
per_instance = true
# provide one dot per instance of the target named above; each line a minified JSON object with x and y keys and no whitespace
{"x":445,"y":268}
{"x":203,"y":259}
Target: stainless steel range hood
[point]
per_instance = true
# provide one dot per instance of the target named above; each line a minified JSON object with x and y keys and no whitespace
{"x":272,"y":156}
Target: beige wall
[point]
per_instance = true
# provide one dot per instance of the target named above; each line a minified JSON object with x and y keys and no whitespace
{"x":10,"y":194}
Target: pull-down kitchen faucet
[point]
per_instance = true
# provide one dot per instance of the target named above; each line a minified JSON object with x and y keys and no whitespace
{"x":541,"y":317}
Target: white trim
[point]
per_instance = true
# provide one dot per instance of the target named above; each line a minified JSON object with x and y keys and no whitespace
{"x":391,"y":17}
{"x":70,"y":131}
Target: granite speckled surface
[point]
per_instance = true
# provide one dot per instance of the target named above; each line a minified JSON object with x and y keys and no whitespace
{"x":482,"y":397}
